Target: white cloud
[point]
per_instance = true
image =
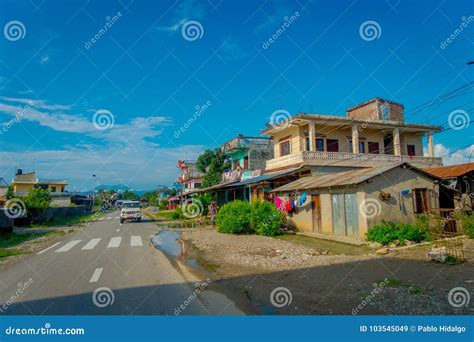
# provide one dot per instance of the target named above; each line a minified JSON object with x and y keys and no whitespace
{"x":186,"y":10}
{"x":137,"y":167}
{"x":462,"y":156}
{"x":231,"y":51}
{"x":36,"y":103}
{"x":124,"y":153}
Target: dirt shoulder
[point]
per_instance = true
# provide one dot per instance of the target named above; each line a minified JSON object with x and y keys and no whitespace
{"x":312,"y":280}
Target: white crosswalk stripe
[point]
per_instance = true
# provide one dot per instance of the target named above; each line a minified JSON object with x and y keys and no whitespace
{"x":91,"y":244}
{"x":68,"y":246}
{"x":50,"y":247}
{"x":136,"y":241}
{"x":96,"y":275}
{"x":114,"y":242}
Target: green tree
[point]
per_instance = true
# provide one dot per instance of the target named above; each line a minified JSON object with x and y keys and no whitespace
{"x":212,"y":163}
{"x":36,"y":201}
{"x":128,"y":195}
{"x":10,"y":192}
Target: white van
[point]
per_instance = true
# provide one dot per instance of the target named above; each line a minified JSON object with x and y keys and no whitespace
{"x":130,"y":211}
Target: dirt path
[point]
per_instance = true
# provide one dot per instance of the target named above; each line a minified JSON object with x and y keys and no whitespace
{"x":305,"y":280}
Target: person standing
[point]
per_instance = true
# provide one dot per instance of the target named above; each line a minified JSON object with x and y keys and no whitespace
{"x":212,"y":209}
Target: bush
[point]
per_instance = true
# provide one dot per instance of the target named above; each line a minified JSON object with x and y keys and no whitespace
{"x":383,"y":233}
{"x":163,"y":205}
{"x":411,"y":233}
{"x":178,"y":214}
{"x":205,"y":200}
{"x":266,"y":219}
{"x":36,"y":201}
{"x":240,"y":217}
{"x":234,"y":218}
{"x":468,"y":225}
{"x":387,"y":232}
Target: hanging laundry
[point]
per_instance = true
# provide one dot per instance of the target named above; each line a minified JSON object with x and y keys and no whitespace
{"x":302,"y":199}
{"x":288,"y":206}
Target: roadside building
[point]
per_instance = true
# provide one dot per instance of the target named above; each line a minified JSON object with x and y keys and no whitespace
{"x":24,"y":182}
{"x":343,"y":205}
{"x":371,"y":134}
{"x":190,"y":177}
{"x":460,"y":177}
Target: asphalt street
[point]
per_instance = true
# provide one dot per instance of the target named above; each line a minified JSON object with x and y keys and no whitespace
{"x":105,"y":268}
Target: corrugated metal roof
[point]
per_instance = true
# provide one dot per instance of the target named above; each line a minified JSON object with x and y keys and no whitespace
{"x":266,"y":176}
{"x":332,"y":179}
{"x":451,"y":171}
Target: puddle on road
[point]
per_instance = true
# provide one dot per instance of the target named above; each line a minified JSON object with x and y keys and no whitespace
{"x":171,"y":243}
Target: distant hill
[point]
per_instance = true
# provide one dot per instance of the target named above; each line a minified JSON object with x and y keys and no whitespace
{"x":112,"y":187}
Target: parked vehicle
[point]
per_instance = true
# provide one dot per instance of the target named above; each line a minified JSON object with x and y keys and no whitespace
{"x":131,"y":210}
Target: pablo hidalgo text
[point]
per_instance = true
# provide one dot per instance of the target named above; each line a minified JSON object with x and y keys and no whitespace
{"x":442,"y":328}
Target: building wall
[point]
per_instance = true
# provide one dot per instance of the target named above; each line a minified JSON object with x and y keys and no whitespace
{"x":298,"y":140}
{"x":371,"y":111}
{"x":398,"y":209}
{"x":393,"y":182}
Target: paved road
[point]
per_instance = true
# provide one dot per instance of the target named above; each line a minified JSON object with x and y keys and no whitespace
{"x":106,"y":268}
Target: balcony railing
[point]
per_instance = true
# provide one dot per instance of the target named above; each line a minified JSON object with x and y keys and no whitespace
{"x":369,"y":157}
{"x":346,"y":158}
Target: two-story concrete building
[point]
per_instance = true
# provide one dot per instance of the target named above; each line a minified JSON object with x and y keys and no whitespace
{"x":24,"y":182}
{"x":373,"y":133}
{"x":370,"y":158}
{"x":190,"y":177}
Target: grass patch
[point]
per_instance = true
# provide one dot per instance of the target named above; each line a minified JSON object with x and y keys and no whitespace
{"x":333,"y":247}
{"x":390,"y":282}
{"x":5,"y":253}
{"x":11,"y":240}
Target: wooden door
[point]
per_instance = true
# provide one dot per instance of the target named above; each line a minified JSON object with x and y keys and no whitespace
{"x":316,"y":201}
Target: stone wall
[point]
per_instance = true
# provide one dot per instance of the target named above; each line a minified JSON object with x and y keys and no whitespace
{"x":56,"y":212}
{"x":6,"y":223}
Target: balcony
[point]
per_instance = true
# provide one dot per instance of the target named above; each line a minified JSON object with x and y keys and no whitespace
{"x":349,"y":159}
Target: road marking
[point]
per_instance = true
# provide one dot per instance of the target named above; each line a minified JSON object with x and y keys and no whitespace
{"x":109,"y":218}
{"x":91,"y":244}
{"x":68,"y":246}
{"x":96,"y":275}
{"x":46,"y":249}
{"x":136,"y":241}
{"x":101,"y":219}
{"x":114,"y":242}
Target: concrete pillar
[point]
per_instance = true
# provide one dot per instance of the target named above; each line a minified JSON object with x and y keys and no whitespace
{"x":397,"y":150}
{"x":430,"y":145}
{"x":355,"y":139}
{"x":312,"y":136}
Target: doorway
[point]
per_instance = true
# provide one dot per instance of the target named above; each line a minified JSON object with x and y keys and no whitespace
{"x":316,"y":203}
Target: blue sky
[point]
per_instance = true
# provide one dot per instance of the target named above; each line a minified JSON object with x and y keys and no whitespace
{"x":148,"y":77}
